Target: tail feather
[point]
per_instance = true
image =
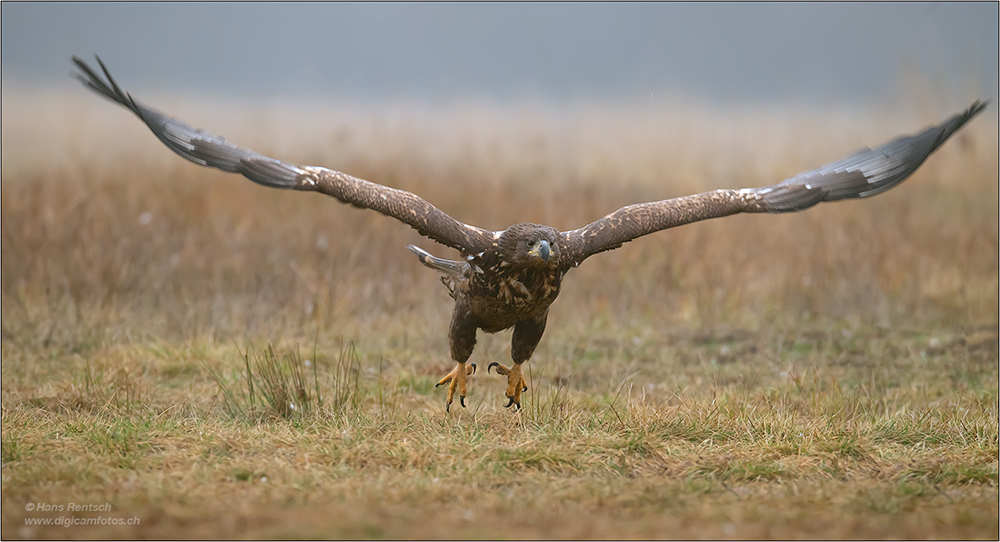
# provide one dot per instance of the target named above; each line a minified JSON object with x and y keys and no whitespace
{"x":448,"y":267}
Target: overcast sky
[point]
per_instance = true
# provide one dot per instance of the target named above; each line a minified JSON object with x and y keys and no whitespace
{"x":729,"y":51}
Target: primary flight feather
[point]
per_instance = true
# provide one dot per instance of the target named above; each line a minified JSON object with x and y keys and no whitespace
{"x":510,"y":278}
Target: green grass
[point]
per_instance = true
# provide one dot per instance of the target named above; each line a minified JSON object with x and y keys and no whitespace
{"x":258,"y":364}
{"x":762,"y":456}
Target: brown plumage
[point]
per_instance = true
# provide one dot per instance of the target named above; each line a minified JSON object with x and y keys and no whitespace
{"x":510,"y":278}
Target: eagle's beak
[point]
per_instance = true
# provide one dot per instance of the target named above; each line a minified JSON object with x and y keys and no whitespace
{"x":541,"y":250}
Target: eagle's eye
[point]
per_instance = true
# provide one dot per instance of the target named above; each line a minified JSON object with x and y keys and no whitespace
{"x":529,"y":242}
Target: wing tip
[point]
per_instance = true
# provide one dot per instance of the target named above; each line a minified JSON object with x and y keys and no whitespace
{"x":978,"y":106}
{"x":106,"y":86}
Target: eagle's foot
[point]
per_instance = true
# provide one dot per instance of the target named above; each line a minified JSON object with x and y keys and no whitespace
{"x":457,"y":378}
{"x":515,"y":383}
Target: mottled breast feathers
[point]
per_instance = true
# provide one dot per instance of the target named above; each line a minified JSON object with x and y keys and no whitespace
{"x":517,"y":279}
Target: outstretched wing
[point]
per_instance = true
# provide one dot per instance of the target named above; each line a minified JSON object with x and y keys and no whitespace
{"x":206,"y":149}
{"x":865,"y":173}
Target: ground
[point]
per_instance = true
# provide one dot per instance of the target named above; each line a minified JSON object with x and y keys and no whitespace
{"x":827,"y":374}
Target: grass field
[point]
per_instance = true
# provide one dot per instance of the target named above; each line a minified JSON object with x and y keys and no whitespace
{"x":826,"y":374}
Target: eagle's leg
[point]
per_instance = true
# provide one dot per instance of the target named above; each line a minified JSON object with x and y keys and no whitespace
{"x":515,"y":383}
{"x":527,"y":333}
{"x":462,"y":339}
{"x":457,"y":380}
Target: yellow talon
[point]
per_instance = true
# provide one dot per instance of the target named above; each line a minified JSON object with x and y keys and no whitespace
{"x":457,"y":379}
{"x":515,"y":383}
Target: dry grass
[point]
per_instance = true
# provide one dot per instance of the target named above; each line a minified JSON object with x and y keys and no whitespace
{"x":821,"y":375}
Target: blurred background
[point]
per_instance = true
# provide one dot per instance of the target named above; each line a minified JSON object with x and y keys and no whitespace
{"x":818,"y":53}
{"x":555,"y":113}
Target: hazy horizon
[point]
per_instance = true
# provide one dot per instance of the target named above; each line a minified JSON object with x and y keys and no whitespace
{"x":822,"y":54}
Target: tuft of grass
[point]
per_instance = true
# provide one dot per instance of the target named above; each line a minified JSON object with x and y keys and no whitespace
{"x":278,"y":386}
{"x":97,"y":390}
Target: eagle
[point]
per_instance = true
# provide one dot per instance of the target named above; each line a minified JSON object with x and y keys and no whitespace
{"x":509,"y":278}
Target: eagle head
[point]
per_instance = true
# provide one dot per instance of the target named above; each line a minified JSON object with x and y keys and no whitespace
{"x":529,"y":245}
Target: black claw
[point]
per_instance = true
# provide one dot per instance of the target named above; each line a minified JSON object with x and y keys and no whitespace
{"x":525,"y":389}
{"x":490,"y":366}
{"x":461,"y":399}
{"x":509,"y":402}
{"x":447,"y":407}
{"x":517,"y":407}
{"x":438,"y":384}
{"x":473,"y":368}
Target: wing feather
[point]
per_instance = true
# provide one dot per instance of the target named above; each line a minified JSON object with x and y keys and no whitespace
{"x":864,"y":173}
{"x":209,"y":150}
